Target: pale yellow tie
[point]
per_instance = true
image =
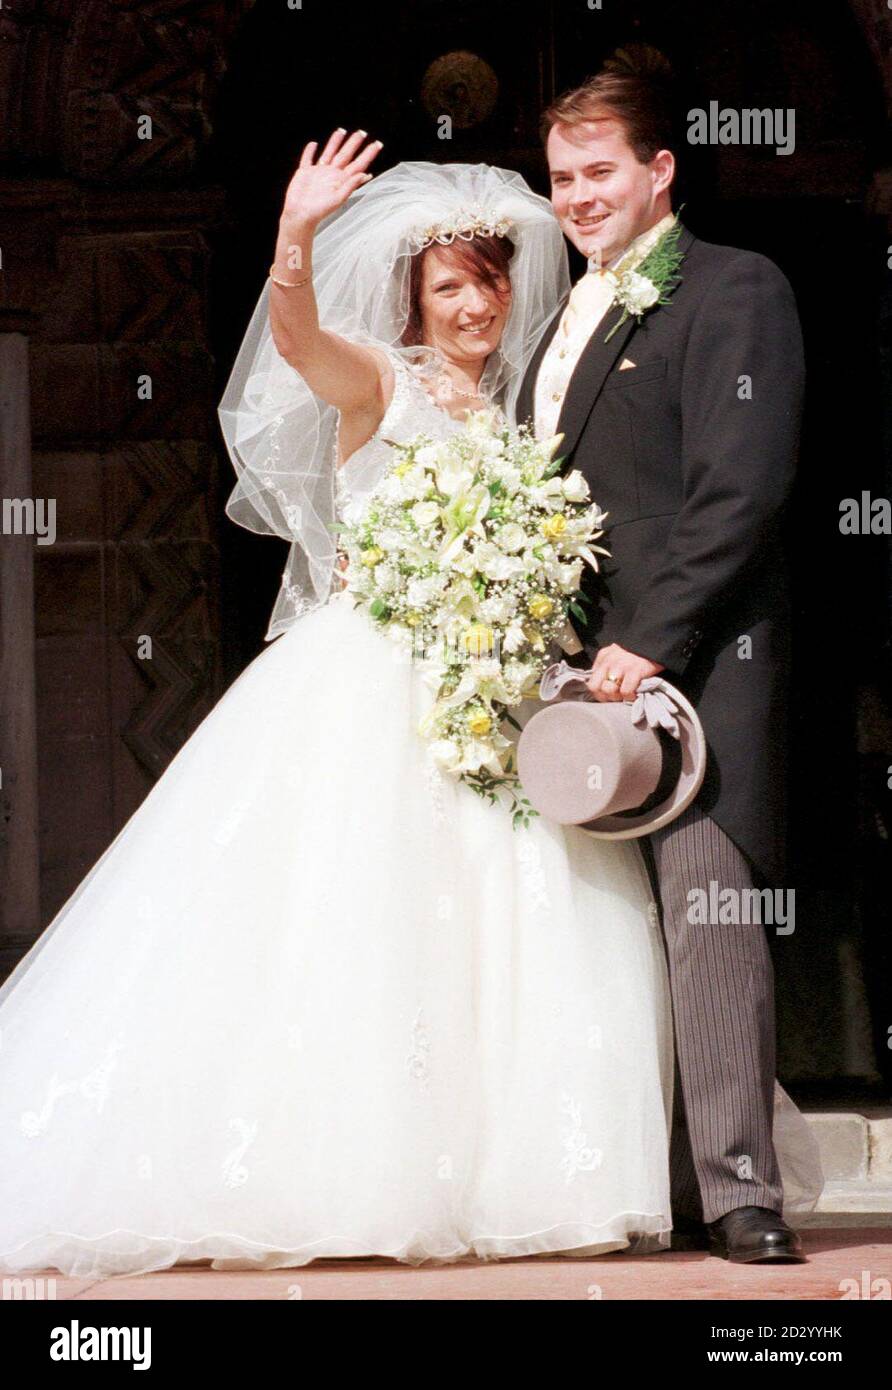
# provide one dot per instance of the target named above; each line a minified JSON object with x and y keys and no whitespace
{"x":588,"y":302}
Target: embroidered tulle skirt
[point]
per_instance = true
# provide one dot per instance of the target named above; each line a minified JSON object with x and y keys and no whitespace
{"x":316,"y":1001}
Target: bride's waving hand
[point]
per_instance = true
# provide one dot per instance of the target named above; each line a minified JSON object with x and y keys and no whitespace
{"x":352,"y":378}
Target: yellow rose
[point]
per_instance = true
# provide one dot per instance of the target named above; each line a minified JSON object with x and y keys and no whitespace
{"x":372,"y":555}
{"x":479,"y":723}
{"x":541,"y":605}
{"x":554,"y":526}
{"x":478,"y":639}
{"x":534,"y":637}
{"x":412,"y":619}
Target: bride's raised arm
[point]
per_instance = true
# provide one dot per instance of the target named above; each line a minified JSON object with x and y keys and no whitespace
{"x":346,"y":375}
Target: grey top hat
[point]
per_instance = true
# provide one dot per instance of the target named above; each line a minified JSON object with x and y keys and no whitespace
{"x":586,"y":762}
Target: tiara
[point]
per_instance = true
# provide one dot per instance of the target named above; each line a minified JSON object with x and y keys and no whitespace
{"x":464,"y":224}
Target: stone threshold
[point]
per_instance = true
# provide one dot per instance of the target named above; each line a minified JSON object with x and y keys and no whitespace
{"x":856,"y":1154}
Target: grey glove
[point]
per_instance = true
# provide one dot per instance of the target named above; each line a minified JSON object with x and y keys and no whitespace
{"x":653,"y":704}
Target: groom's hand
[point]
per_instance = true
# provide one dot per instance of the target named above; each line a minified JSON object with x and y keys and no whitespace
{"x":617,"y":673}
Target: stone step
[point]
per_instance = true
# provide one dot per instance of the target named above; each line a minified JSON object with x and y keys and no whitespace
{"x":848,"y":1205}
{"x":856,"y":1155}
{"x":856,"y":1146}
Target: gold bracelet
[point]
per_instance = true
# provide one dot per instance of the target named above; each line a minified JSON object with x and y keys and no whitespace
{"x":289,"y":284}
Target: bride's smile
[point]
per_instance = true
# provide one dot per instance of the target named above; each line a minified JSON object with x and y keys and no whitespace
{"x":464,"y":305}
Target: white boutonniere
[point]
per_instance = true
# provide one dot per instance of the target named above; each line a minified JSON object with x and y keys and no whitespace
{"x":651,"y":282}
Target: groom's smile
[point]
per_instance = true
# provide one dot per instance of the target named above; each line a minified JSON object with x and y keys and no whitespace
{"x":589,"y":221}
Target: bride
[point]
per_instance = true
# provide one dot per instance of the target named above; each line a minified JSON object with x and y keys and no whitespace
{"x":317,"y":999}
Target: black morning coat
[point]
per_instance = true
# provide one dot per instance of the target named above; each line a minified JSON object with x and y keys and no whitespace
{"x":692,"y":453}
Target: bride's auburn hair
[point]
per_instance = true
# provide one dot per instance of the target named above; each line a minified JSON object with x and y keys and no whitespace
{"x":487,"y":258}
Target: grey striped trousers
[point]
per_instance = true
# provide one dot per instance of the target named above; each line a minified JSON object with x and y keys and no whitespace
{"x":722,"y":985}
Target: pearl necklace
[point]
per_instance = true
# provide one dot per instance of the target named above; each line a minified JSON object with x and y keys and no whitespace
{"x":446,"y":388}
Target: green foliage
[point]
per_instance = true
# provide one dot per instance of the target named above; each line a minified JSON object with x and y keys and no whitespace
{"x":661,"y":264}
{"x":490,"y":787}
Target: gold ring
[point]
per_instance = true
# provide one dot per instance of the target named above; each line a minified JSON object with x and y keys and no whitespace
{"x":612,"y":676}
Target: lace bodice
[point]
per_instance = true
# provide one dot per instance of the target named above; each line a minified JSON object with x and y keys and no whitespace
{"x":410,"y":412}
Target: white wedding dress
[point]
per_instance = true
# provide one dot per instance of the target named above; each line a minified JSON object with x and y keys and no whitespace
{"x":316,"y":1001}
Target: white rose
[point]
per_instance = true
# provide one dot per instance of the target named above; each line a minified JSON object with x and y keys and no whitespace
{"x":511,"y":537}
{"x":428,"y":455}
{"x":570,"y":576}
{"x":575,"y":487}
{"x":497,"y":609}
{"x":420,"y":591}
{"x":639,"y":292}
{"x":425,"y":513}
{"x":417,"y":484}
{"x":445,"y":753}
{"x":491,"y":562}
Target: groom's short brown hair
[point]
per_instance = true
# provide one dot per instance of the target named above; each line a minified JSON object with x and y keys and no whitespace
{"x":639,"y":99}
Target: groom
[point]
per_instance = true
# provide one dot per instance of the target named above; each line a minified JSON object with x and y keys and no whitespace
{"x":686,"y":426}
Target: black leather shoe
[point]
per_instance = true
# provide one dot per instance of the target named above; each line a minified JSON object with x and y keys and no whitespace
{"x":754,"y":1235}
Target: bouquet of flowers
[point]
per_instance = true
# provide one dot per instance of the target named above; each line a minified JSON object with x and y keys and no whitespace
{"x":470,"y":553}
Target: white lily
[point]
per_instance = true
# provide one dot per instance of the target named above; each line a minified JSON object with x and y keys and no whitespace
{"x":455,"y":477}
